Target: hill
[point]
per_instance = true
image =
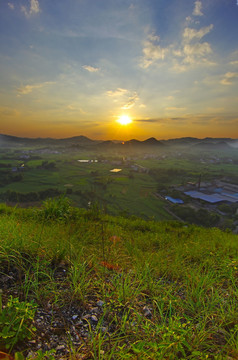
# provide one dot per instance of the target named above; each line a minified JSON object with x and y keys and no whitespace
{"x":83,"y":141}
{"x":80,"y":284}
{"x":211,"y":145}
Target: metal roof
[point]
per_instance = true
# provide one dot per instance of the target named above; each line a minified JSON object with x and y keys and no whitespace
{"x":214,"y":198}
{"x":174,"y":201}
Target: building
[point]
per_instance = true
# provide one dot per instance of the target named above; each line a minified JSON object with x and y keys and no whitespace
{"x":213,"y":198}
{"x":174,"y":201}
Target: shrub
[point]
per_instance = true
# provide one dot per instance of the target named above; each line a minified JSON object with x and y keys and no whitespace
{"x":57,"y":209}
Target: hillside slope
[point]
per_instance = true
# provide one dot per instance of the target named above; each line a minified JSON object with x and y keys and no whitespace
{"x":83,"y":285}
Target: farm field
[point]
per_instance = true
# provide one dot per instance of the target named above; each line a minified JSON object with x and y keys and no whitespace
{"x":33,"y":175}
{"x":86,"y":183}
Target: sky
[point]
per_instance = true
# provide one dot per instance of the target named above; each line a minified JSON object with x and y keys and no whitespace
{"x":70,"y":68}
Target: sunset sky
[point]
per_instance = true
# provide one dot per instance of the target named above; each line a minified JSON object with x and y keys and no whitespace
{"x":72,"y":67}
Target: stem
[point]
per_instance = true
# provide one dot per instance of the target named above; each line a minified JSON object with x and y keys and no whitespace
{"x":0,"y":301}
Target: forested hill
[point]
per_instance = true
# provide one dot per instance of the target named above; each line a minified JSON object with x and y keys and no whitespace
{"x":79,"y":284}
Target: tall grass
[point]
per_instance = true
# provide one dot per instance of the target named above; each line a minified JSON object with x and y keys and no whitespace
{"x":169,"y":290}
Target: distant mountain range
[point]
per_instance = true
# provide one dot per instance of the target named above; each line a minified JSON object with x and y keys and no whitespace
{"x":83,"y":141}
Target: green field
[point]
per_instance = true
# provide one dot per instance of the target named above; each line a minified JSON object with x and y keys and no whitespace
{"x":129,"y":191}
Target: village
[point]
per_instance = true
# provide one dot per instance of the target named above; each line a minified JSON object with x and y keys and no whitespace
{"x":194,"y":186}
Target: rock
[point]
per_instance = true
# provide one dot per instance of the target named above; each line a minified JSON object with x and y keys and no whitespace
{"x":94,"y":318}
{"x":104,"y":329}
{"x":32,"y":342}
{"x":100,"y":303}
{"x":60,"y":347}
{"x":146,"y":311}
{"x":87,"y":316}
{"x":94,"y":310}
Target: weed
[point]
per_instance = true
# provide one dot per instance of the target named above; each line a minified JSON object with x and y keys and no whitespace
{"x":16,"y":322}
{"x":56,"y":209}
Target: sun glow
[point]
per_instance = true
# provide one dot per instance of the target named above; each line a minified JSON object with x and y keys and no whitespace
{"x":124,"y":120}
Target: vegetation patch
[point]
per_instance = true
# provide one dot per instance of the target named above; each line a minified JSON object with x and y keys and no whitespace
{"x":80,"y":284}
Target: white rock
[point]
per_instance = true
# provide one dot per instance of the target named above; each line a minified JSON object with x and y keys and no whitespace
{"x":94,"y":318}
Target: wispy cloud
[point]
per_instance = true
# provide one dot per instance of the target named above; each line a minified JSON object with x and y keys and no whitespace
{"x":169,"y":97}
{"x":127,"y":97}
{"x":196,"y":53}
{"x":190,"y":33}
{"x":72,"y":108}
{"x":118,"y":92}
{"x":4,"y":111}
{"x":27,"y":89}
{"x":33,"y":9}
{"x":152,"y":51}
{"x":159,"y":120}
{"x":215,"y":110}
{"x":197,"y":8}
{"x":187,"y":52}
{"x":131,"y":102}
{"x":176,"y":108}
{"x":229,"y":78}
{"x":234,"y":62}
{"x":90,"y":68}
{"x":11,"y":6}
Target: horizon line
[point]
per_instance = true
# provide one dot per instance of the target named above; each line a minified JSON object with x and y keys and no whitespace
{"x":152,"y":137}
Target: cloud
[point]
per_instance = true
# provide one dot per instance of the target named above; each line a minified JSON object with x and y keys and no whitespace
{"x":169,"y":97}
{"x":192,"y":54}
{"x":179,"y":68}
{"x":123,"y":95}
{"x":215,"y":109}
{"x":189,"y":19}
{"x":228,"y":78}
{"x":74,"y":108}
{"x":234,"y":62}
{"x":90,"y":68}
{"x":11,"y":6}
{"x":27,"y":89}
{"x":190,"y":33}
{"x":194,"y":51}
{"x":190,"y":51}
{"x":4,"y":111}
{"x":197,"y":8}
{"x":175,"y":108}
{"x":198,"y":49}
{"x":131,"y":102}
{"x":159,"y":120}
{"x":33,"y":9}
{"x":118,"y":92}
{"x":152,"y":51}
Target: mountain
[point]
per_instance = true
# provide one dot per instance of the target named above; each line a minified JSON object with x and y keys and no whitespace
{"x":77,"y":140}
{"x":184,"y":141}
{"x":81,"y":141}
{"x":8,"y":140}
{"x":212,"y":145}
{"x":152,"y":142}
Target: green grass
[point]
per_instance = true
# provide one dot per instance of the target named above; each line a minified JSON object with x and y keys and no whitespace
{"x":170,"y":290}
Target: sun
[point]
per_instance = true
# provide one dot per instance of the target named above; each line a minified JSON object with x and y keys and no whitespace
{"x":124,"y":120}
